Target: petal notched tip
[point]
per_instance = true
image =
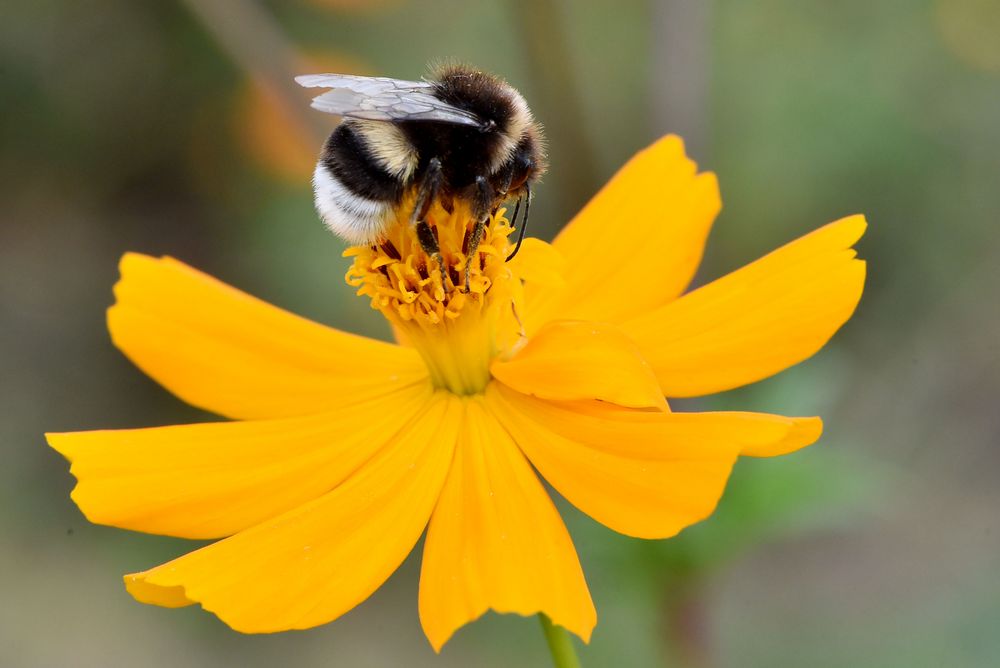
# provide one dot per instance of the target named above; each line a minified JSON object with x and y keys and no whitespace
{"x":146,"y":592}
{"x":58,"y":442}
{"x":802,"y":431}
{"x":851,"y":227}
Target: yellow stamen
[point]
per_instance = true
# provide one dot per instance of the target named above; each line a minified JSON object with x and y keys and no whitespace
{"x":457,"y":332}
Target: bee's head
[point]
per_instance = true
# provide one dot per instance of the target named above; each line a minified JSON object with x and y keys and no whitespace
{"x":505,"y":116}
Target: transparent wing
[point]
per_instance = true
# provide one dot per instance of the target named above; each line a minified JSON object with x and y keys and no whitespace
{"x":382,"y":99}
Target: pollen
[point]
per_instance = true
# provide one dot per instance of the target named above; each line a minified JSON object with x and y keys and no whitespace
{"x":457,"y":327}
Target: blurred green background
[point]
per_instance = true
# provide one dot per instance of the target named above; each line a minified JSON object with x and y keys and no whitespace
{"x":170,"y":128}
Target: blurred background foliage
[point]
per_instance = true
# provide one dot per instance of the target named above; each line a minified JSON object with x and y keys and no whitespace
{"x":172,"y":128}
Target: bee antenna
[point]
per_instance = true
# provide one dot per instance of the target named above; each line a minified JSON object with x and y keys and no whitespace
{"x":524,"y":220}
{"x":517,"y":209}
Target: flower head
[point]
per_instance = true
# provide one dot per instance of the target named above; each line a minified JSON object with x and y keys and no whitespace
{"x":343,"y":450}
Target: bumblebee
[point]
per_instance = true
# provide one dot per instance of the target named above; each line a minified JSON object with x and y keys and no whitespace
{"x":463,"y":135}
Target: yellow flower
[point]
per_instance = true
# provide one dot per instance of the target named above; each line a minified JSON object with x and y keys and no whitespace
{"x":345,"y":449}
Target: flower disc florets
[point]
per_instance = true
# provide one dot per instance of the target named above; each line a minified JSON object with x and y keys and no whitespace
{"x":458,"y":331}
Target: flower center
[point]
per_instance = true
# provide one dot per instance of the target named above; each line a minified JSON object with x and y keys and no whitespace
{"x":457,"y":331}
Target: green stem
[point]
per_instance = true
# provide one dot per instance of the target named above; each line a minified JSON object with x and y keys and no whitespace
{"x":560,"y":644}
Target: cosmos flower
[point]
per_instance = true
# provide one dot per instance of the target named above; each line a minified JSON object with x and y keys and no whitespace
{"x":344,"y":450}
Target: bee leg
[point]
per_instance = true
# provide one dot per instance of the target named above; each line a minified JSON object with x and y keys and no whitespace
{"x":425,"y":197}
{"x":481,"y":211}
{"x":428,"y":240}
{"x":474,"y":239}
{"x":524,"y":220}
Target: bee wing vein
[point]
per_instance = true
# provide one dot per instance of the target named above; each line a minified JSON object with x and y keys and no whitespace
{"x":383,"y":99}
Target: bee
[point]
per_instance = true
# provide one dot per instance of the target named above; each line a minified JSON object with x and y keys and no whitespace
{"x":463,"y":135}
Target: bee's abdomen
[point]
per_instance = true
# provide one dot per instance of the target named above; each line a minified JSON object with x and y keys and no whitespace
{"x":355,"y":165}
{"x":355,"y":195}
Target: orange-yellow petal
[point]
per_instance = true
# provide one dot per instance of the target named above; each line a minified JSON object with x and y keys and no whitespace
{"x":316,"y":562}
{"x":496,"y":541}
{"x":225,"y":351}
{"x":568,"y":360}
{"x":758,"y":320}
{"x":645,"y":229}
{"x":641,"y":473}
{"x":540,"y":263}
{"x":213,"y":480}
{"x":645,"y":434}
{"x":804,"y":431}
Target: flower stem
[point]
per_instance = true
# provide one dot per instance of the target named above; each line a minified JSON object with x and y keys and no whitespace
{"x":560,"y":644}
